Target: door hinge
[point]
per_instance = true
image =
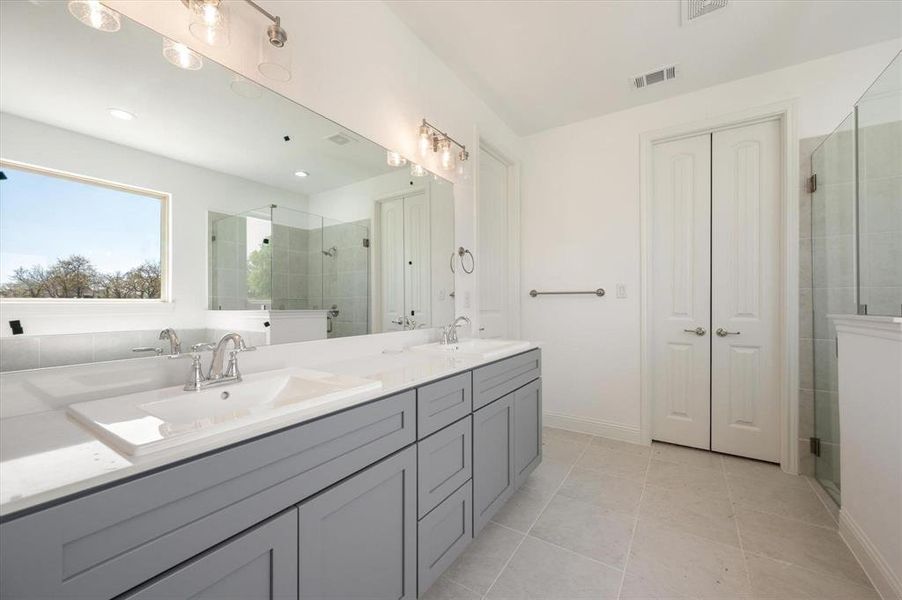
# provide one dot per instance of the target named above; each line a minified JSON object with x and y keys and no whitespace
{"x":812,"y":183}
{"x":815,"y":445}
{"x":366,"y":242}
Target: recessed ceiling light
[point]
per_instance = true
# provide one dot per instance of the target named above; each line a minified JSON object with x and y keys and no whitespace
{"x":124,"y":115}
{"x":301,"y":173}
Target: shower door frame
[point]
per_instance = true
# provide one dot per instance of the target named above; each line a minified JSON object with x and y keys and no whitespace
{"x":785,"y":112}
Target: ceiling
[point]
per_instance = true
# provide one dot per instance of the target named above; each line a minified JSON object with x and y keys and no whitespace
{"x":541,"y":64}
{"x":60,"y":72}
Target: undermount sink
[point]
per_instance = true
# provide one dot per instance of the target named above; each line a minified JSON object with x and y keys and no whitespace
{"x":475,"y":348}
{"x":146,"y":422}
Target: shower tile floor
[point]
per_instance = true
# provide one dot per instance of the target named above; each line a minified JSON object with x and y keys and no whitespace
{"x":606,"y":519}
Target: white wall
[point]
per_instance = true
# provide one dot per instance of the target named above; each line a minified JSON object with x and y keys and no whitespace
{"x":580,"y":228}
{"x":356,"y":63}
{"x":194,"y":191}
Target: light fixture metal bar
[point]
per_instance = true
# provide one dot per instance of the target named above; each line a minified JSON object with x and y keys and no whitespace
{"x":264,"y":12}
{"x":439,"y":131}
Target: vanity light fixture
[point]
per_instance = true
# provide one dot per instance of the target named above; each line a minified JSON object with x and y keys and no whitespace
{"x":122,"y":115}
{"x":301,"y":173}
{"x":181,"y":55}
{"x":418,"y":170}
{"x":94,"y":14}
{"x":394,"y":159}
{"x":430,"y":137}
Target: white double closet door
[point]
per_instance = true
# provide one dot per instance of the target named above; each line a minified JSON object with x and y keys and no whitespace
{"x":715,"y":291}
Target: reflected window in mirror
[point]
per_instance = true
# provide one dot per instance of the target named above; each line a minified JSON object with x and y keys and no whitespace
{"x":64,"y":236}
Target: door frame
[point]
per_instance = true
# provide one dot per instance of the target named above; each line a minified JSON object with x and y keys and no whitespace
{"x":786,"y":113}
{"x":513,"y":234}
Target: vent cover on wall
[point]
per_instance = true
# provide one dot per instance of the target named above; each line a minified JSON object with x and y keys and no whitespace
{"x":657,"y":76}
{"x":694,"y":9}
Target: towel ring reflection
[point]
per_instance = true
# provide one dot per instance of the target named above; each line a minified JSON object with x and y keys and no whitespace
{"x":461,"y":252}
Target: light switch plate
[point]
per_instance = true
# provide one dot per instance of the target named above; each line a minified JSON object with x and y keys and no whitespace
{"x":621,"y":290}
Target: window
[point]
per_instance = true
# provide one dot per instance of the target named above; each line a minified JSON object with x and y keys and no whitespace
{"x":65,"y":236}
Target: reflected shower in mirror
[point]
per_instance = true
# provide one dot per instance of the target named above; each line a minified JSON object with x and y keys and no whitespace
{"x":139,"y":196}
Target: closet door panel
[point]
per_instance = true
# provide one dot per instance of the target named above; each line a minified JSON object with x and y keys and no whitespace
{"x":680,"y":276}
{"x":746,"y":269}
{"x":391,"y":264}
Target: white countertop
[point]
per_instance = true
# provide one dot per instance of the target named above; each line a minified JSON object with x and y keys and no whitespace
{"x":45,"y":456}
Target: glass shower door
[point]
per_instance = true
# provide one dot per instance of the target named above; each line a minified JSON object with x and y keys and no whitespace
{"x":833,"y":282}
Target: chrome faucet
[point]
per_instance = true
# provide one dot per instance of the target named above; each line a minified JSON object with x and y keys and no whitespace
{"x":175,"y":344}
{"x":215,"y":374}
{"x":449,"y":333}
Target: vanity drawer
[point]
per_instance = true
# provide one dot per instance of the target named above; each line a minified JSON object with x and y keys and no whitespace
{"x":443,"y":402}
{"x":444,"y":462}
{"x":503,"y":377}
{"x":442,"y":535}
{"x":104,"y":543}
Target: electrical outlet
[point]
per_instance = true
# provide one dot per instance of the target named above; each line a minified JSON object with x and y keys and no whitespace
{"x":621,"y":290}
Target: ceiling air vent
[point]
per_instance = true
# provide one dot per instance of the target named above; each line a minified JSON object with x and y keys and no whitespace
{"x":341,"y":138}
{"x":647,"y":79}
{"x":695,"y":9}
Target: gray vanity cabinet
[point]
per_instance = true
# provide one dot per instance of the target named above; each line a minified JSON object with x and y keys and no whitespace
{"x":358,"y":539}
{"x":260,"y":564}
{"x":527,"y":430}
{"x":493,"y":459}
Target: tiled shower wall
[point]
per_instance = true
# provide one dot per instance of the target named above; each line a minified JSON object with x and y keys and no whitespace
{"x":880,"y":218}
{"x":346,"y":277}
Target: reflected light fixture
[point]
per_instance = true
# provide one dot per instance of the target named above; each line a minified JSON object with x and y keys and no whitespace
{"x":394,"y":159}
{"x":209,"y":21}
{"x":245,"y":87}
{"x":446,"y":155}
{"x":418,"y":170}
{"x":425,"y":142}
{"x":94,"y":14}
{"x":181,"y":55}
{"x":301,"y":173}
{"x":122,"y":115}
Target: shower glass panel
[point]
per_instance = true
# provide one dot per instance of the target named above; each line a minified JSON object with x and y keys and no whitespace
{"x":297,"y":262}
{"x":833,"y":284}
{"x":345,"y":281}
{"x":880,"y":194}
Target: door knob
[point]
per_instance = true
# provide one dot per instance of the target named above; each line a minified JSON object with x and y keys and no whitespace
{"x":724,"y":333}
{"x":697,"y":331}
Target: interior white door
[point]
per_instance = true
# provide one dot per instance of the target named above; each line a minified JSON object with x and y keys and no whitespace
{"x":417,"y":286}
{"x":492,"y":234}
{"x":746,"y":262}
{"x":680,"y":210}
{"x":391,"y":263}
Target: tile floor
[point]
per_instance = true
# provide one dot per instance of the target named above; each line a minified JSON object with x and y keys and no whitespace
{"x":605,"y":519}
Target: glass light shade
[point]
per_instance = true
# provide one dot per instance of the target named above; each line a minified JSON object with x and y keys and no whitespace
{"x":94,"y":14}
{"x":418,"y":170}
{"x":209,"y":21}
{"x":394,"y":159}
{"x":274,"y":62}
{"x":181,"y":55}
{"x":425,"y":140}
{"x":446,"y":155}
{"x":245,"y":87}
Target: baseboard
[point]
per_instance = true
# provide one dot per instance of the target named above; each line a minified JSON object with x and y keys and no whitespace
{"x":878,"y":571}
{"x":616,"y":431}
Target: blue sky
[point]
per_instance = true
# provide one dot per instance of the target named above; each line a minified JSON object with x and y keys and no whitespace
{"x":43,"y":218}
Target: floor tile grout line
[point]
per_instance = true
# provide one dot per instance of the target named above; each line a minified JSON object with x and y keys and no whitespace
{"x":745,"y":562}
{"x":814,"y":571}
{"x":832,"y":528}
{"x":536,"y":520}
{"x":629,"y":546}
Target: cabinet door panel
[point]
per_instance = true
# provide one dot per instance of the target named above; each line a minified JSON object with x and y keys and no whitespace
{"x":528,"y":429}
{"x":493,"y":459}
{"x":358,"y":539}
{"x":258,"y":565}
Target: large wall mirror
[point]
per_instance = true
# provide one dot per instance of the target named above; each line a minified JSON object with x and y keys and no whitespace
{"x":140,"y":195}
